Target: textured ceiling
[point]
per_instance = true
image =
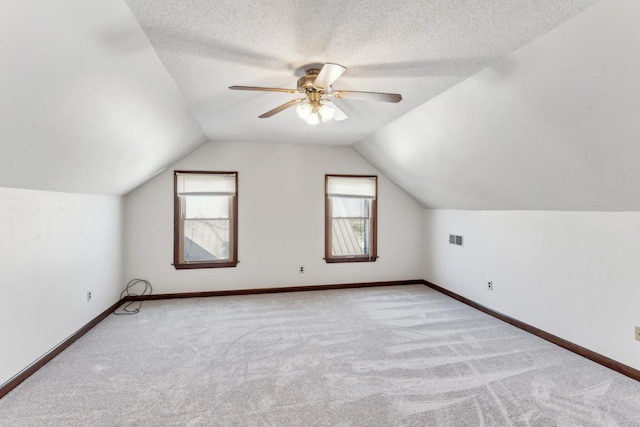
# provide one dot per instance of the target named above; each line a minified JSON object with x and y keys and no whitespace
{"x":98,"y":97}
{"x":553,"y":126}
{"x":416,"y":48}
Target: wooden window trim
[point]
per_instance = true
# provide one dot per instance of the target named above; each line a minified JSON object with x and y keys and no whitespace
{"x":178,"y":241}
{"x":373,"y":244}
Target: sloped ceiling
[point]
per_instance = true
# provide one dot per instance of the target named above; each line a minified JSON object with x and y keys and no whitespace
{"x":98,"y":97}
{"x":83,"y":108}
{"x":553,"y":126}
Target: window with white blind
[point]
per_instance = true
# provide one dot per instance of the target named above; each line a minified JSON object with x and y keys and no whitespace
{"x":350,"y":218}
{"x":205,"y":219}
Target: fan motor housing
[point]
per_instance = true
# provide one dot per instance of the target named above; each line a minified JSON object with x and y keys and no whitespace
{"x":305,"y":83}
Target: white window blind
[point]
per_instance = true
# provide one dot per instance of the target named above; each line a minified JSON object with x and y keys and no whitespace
{"x":356,"y":187}
{"x":192,"y":184}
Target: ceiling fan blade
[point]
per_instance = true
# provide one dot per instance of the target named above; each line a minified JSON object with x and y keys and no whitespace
{"x":338,"y":114}
{"x":329,"y":74}
{"x":367,"y":96}
{"x":281,"y":108}
{"x":263,"y":89}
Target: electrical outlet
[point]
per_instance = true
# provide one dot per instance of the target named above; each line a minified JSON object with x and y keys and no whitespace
{"x":490,"y":285}
{"x":301,"y":269}
{"x":88,"y":296}
{"x":637,"y":333}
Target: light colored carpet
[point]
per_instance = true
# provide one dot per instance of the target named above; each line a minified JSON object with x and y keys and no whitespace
{"x":393,"y":356}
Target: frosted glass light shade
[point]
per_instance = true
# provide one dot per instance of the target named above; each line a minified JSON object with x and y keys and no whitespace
{"x":314,"y":113}
{"x":313,"y":119}
{"x":326,"y":112}
{"x":304,"y":110}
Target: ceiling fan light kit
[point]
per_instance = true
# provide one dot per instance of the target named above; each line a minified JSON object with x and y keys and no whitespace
{"x":314,"y":110}
{"x":316,"y":107}
{"x":312,"y":115}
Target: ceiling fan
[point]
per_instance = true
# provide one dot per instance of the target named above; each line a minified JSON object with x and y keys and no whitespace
{"x":316,"y":106}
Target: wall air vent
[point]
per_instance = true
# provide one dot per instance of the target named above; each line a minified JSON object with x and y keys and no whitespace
{"x":455,"y":240}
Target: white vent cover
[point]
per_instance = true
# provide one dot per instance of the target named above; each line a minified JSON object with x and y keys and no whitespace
{"x":455,"y":240}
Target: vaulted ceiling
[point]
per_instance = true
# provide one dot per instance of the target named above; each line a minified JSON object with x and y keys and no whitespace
{"x":553,"y":126}
{"x":415,"y":48}
{"x":98,"y":97}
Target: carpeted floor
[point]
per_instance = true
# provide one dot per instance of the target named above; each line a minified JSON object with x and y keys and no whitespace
{"x":394,"y":356}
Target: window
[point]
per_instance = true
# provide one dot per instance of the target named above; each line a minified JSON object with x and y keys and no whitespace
{"x":205,"y":219}
{"x":350,"y":218}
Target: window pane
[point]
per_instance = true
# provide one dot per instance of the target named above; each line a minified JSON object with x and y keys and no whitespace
{"x":349,"y":207}
{"x":206,"y":228}
{"x":206,"y":240}
{"x":350,"y":226}
{"x":207,"y":207}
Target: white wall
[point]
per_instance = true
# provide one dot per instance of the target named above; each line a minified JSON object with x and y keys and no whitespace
{"x":281,"y":221}
{"x":573,"y":274}
{"x":53,"y":248}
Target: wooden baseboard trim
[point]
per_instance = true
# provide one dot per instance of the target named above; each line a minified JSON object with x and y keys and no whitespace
{"x":274,"y":290}
{"x":35,"y":366}
{"x":579,"y":350}
{"x":46,"y":358}
{"x":584,"y":352}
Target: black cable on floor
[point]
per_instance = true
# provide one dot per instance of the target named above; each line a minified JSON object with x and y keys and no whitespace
{"x":126,"y":293}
